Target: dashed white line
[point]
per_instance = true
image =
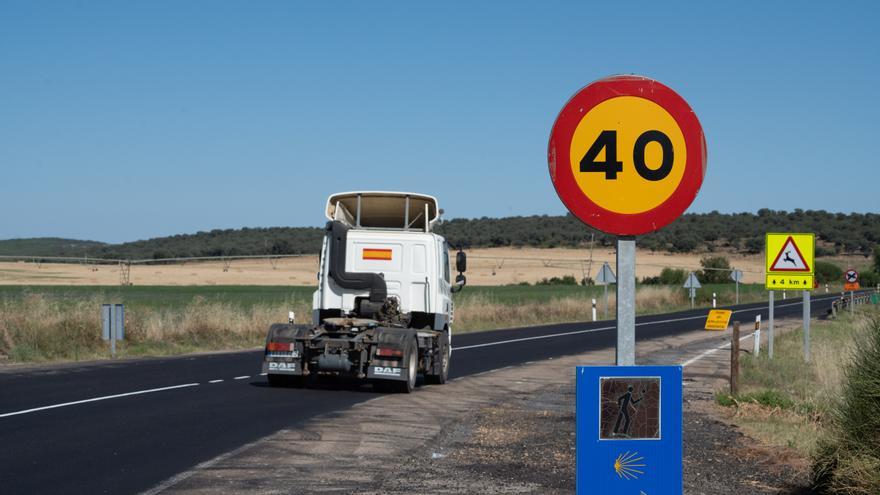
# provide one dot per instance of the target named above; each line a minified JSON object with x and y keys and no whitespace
{"x":263,"y":374}
{"x":96,"y":399}
{"x":243,"y":377}
{"x":215,"y":381}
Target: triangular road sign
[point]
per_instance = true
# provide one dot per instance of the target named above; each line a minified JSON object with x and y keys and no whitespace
{"x":606,"y":275}
{"x":692,"y":282}
{"x":790,"y":259}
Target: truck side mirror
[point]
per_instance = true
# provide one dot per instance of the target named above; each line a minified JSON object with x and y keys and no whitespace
{"x":460,"y":282}
{"x":460,"y":262}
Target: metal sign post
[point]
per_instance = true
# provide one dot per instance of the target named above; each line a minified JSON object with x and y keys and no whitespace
{"x":737,"y":276}
{"x":113,"y":323}
{"x":807,"y":326}
{"x":770,"y":334}
{"x":605,"y":277}
{"x":693,"y":284}
{"x":626,"y":301}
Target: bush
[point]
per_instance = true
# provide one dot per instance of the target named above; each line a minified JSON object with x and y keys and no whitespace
{"x":828,"y":272}
{"x":565,"y":280}
{"x":847,"y":460}
{"x":716,"y":270}
{"x":868,"y":279}
{"x":823,"y":251}
{"x":673,"y":276}
{"x":877,"y":259}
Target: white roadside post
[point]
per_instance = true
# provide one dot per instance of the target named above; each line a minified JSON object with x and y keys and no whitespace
{"x":713,"y":300}
{"x":783,"y":295}
{"x":594,"y":309}
{"x":757,"y":335}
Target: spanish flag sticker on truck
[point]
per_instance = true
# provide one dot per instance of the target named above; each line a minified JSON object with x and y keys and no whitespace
{"x":377,"y":254}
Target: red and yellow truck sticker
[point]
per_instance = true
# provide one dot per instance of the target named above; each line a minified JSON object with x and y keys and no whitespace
{"x":377,"y":254}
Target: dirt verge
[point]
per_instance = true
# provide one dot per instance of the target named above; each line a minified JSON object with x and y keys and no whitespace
{"x":508,"y":431}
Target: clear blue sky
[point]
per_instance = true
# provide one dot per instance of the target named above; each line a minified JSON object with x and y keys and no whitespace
{"x":127,"y":120}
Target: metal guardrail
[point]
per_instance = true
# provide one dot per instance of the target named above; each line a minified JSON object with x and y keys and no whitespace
{"x":849,"y":302}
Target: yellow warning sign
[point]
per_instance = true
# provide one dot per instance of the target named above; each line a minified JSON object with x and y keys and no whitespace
{"x":718,"y":319}
{"x":790,"y":261}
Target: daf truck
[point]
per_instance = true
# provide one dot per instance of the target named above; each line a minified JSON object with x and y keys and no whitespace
{"x":383,"y":309}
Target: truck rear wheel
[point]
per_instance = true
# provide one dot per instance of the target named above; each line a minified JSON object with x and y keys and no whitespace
{"x":409,"y":384}
{"x":440,"y":369}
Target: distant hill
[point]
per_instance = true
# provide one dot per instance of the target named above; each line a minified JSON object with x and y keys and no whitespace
{"x":838,"y":233}
{"x":49,"y":246}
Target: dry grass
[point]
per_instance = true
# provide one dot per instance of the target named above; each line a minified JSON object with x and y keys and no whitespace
{"x":39,"y":328}
{"x":786,"y":402}
{"x":482,"y":312}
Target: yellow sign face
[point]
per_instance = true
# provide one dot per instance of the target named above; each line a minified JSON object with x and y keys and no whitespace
{"x":718,"y":319}
{"x":790,"y":261}
{"x":628,"y":155}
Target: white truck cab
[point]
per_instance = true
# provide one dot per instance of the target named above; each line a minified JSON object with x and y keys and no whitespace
{"x":383,"y":309}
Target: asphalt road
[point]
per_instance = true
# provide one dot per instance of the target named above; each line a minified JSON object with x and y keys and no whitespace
{"x":105,"y":428}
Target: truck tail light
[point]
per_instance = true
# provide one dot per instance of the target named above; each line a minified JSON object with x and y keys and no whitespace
{"x":279,"y":346}
{"x":388,"y":352}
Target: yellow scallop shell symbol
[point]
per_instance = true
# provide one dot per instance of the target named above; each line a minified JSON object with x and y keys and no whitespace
{"x":627,"y":465}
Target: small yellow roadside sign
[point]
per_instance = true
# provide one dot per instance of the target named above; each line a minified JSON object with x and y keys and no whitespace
{"x":789,"y":261}
{"x":718,"y":319}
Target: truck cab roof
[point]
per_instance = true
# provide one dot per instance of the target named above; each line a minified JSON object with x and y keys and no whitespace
{"x":385,"y":210}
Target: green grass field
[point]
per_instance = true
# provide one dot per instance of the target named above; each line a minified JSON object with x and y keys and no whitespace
{"x":167,"y":296}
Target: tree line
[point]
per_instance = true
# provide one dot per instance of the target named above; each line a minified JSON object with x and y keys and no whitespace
{"x":837,"y":233}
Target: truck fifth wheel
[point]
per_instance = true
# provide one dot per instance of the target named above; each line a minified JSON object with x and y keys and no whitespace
{"x":383,"y":310}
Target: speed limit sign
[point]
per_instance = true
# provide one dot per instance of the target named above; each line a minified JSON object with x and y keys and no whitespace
{"x":627,"y":155}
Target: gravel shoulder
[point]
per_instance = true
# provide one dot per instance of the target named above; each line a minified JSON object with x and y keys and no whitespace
{"x":510,"y":431}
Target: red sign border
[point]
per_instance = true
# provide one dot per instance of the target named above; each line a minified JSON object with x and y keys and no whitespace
{"x":779,"y":255}
{"x":851,"y":270}
{"x":559,"y":147}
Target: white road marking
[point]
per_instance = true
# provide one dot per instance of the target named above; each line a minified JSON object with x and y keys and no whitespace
{"x":592,"y":330}
{"x":96,"y":399}
{"x":215,"y":381}
{"x":242,"y":377}
{"x":713,"y":351}
{"x":263,"y":374}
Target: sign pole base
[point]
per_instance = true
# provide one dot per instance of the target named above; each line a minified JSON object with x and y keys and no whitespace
{"x":626,"y":301}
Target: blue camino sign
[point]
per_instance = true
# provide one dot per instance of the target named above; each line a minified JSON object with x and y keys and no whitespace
{"x":629,"y":430}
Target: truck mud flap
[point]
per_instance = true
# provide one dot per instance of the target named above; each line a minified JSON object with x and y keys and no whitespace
{"x":379,"y":372}
{"x":282,"y":367}
{"x":387,"y":369}
{"x":286,"y":361}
